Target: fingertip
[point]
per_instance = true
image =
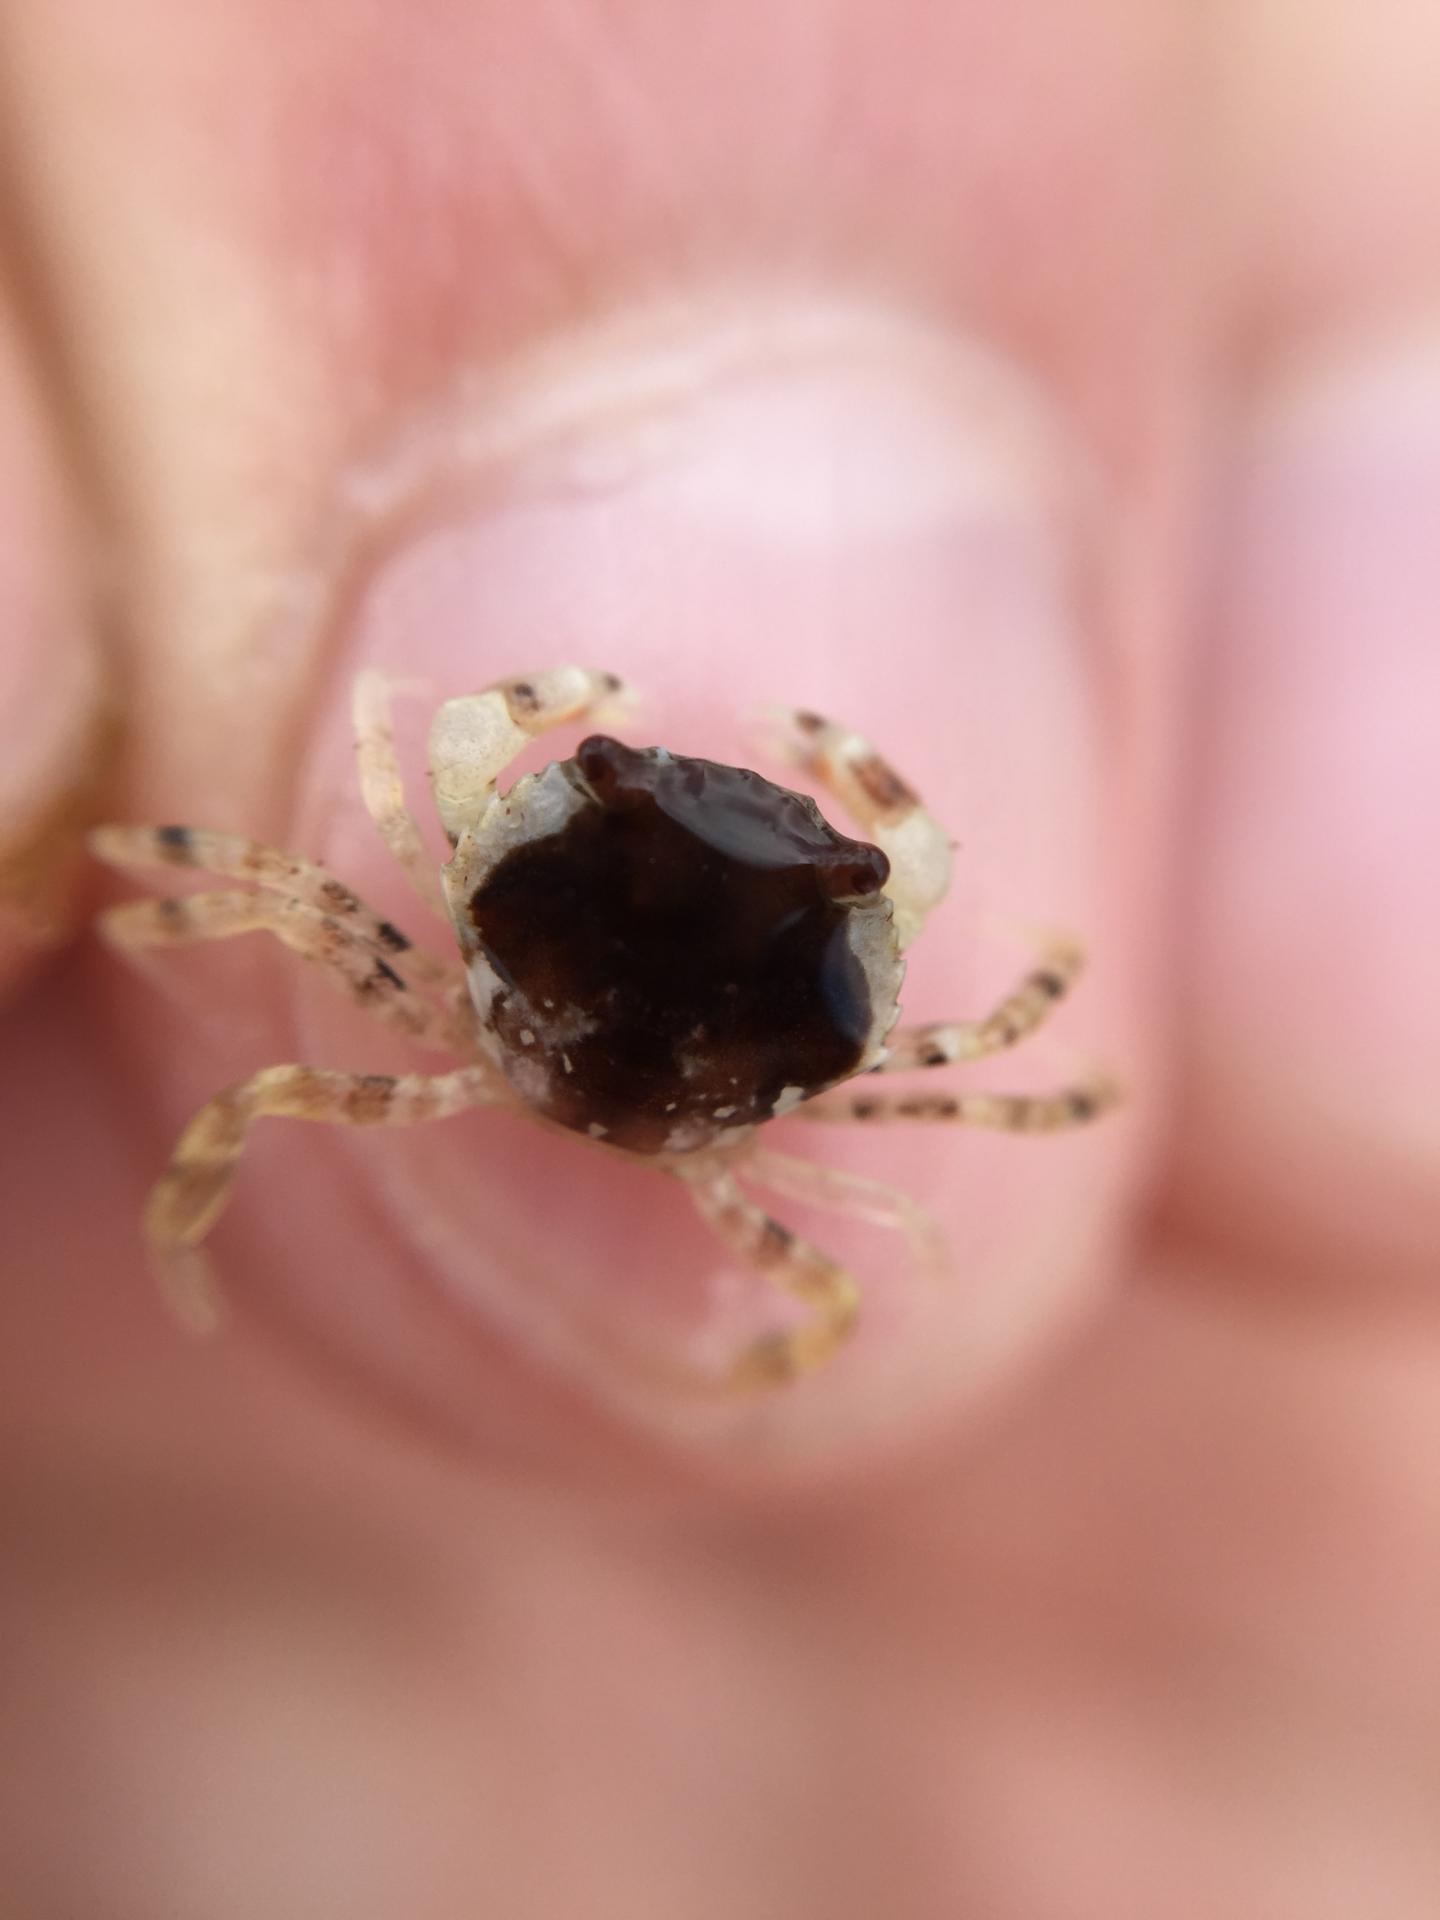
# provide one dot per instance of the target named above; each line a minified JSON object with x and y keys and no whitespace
{"x":822,"y":534}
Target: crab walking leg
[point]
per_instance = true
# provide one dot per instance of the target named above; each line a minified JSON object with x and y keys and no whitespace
{"x":887,"y":810}
{"x":350,"y":962}
{"x":475,"y":737}
{"x":1008,"y":1112}
{"x":1028,"y":1006}
{"x":228,"y":856}
{"x":852,"y":1195}
{"x":383,"y":789}
{"x":802,"y":1270}
{"x":189,"y":1196}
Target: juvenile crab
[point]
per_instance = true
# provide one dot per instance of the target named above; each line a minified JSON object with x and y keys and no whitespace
{"x":660,"y":954}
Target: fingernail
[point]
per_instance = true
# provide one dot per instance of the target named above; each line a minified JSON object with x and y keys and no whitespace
{"x":55,"y":735}
{"x":829,"y":509}
{"x":1320,"y":910}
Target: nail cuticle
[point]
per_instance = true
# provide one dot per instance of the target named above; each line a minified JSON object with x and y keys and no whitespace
{"x":591,"y":411}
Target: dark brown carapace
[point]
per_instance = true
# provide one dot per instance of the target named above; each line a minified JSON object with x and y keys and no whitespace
{"x":681,"y":957}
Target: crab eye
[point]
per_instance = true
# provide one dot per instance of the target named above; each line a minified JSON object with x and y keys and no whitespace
{"x":602,"y":761}
{"x":858,"y":876}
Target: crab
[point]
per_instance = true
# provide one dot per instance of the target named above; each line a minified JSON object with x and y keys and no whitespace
{"x":659,"y":955}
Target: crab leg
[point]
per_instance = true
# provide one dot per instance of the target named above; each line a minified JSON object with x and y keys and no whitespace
{"x":193,"y":1190}
{"x":887,"y":809}
{"x":229,"y":856}
{"x":795,"y":1265}
{"x":1026,"y":1007}
{"x":852,"y":1195}
{"x":336,"y":947}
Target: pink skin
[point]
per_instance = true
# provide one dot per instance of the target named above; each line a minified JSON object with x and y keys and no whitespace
{"x":365,"y":1607}
{"x":53,"y":703}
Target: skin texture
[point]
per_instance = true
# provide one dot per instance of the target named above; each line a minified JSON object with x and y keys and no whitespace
{"x":1111,"y":1586}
